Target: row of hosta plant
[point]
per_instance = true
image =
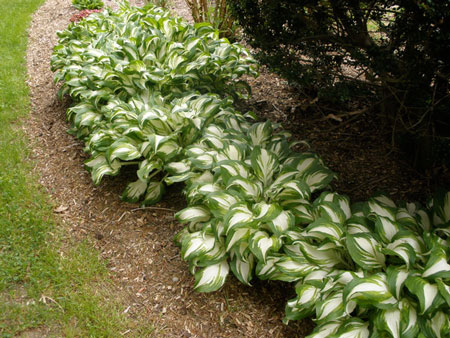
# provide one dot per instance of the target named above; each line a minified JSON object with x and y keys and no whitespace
{"x":156,"y":93}
{"x":144,"y":86}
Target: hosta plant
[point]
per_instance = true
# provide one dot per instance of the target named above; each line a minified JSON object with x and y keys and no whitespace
{"x":399,"y":284}
{"x":251,"y":196}
{"x":143,"y":85}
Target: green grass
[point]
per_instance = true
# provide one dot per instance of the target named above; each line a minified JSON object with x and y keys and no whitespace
{"x":48,"y":284}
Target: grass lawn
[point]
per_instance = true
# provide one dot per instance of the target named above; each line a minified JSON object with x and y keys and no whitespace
{"x":49,"y":285}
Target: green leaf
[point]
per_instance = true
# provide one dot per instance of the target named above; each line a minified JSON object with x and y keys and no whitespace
{"x":211,"y":278}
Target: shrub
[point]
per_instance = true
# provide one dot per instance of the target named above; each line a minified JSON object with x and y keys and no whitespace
{"x":397,"y":50}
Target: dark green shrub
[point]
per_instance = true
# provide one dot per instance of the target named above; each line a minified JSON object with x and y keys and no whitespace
{"x":395,"y":52}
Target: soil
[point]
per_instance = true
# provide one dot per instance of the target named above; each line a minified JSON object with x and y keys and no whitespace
{"x":137,"y":242}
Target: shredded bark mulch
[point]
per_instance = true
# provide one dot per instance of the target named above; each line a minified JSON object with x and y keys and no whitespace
{"x":145,"y":265}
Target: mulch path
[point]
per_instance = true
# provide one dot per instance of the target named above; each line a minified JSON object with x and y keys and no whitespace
{"x":145,"y":265}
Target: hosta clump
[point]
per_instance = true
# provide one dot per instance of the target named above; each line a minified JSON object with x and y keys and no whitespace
{"x":399,"y":285}
{"x":251,"y":195}
{"x":143,"y":85}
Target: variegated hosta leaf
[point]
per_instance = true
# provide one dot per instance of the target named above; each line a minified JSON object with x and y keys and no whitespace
{"x":343,"y":202}
{"x":230,"y":169}
{"x":427,"y":293}
{"x":177,"y":168}
{"x":353,"y":328}
{"x":239,"y":215}
{"x":371,"y":290}
{"x":154,"y":193}
{"x":330,"y":307}
{"x":196,"y":244}
{"x":134,"y":191}
{"x":101,"y":167}
{"x":406,"y":219}
{"x":403,"y":250}
{"x":358,"y":224}
{"x":264,"y":164}
{"x":147,"y":167}
{"x":437,"y":266}
{"x":322,"y":229}
{"x":326,"y":330}
{"x":302,"y":210}
{"x":444,"y":290}
{"x":266,"y":212}
{"x":318,"y":177}
{"x":325,"y":255}
{"x":123,"y":149}
{"x":193,"y":214}
{"x":319,"y":278}
{"x":260,"y":243}
{"x":396,"y":277}
{"x":293,"y":189}
{"x":365,"y":251}
{"x":408,"y":326}
{"x":267,"y":269}
{"x":303,"y":305}
{"x":292,"y":270}
{"x":282,"y":222}
{"x":332,"y":212}
{"x":243,"y":267}
{"x":220,"y":203}
{"x":237,"y":235}
{"x":390,"y":321}
{"x":437,"y":326}
{"x":260,"y":133}
{"x":212,"y":277}
{"x":386,"y":228}
{"x":382,"y":206}
{"x":303,"y":162}
{"x":250,"y":190}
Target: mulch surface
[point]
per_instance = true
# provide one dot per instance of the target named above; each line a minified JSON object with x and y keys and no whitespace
{"x":145,"y":265}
